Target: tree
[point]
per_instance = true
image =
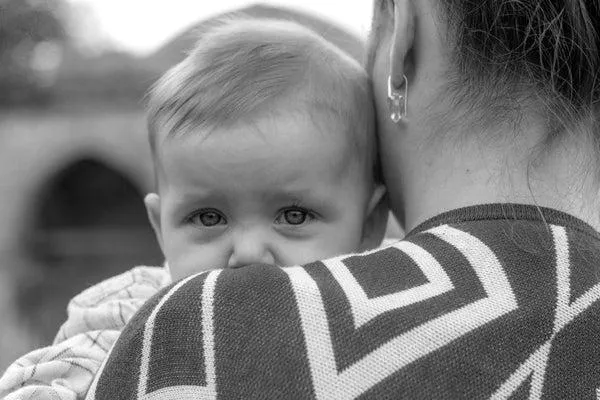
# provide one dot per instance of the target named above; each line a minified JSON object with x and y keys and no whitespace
{"x":27,"y":27}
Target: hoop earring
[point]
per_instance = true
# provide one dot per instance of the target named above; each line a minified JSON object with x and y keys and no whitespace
{"x":397,"y":100}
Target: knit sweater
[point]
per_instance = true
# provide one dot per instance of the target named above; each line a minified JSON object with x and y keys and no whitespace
{"x":65,"y":369}
{"x":492,"y":301}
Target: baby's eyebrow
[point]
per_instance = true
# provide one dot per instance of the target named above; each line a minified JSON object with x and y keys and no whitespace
{"x":308,"y":198}
{"x":291,"y":195}
{"x":191,"y":199}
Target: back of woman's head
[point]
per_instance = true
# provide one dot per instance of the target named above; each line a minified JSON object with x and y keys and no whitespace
{"x":545,"y":51}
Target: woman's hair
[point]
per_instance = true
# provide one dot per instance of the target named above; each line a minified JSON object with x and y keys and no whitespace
{"x":533,"y":52}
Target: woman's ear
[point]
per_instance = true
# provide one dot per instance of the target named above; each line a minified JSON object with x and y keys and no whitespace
{"x":375,"y":224}
{"x":152,"y":202}
{"x":402,"y":40}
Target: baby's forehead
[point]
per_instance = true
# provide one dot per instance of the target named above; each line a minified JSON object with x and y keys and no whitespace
{"x":292,"y":145}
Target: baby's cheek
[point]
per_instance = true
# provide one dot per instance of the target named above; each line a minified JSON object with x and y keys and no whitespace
{"x":321,"y":248}
{"x":190,"y":261}
{"x":346,"y":240}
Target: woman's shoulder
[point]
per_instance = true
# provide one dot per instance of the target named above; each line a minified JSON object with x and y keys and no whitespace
{"x":471,"y":304}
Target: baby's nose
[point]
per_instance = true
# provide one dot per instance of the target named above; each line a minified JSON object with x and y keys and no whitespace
{"x":250,"y":249}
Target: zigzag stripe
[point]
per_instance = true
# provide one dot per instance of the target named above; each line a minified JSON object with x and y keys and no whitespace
{"x":566,"y":312}
{"x":184,"y":392}
{"x":365,"y":309}
{"x":329,"y":383}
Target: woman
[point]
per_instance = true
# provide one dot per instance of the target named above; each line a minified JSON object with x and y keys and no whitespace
{"x":502,"y":104}
{"x":488,"y":117}
{"x":488,"y":120}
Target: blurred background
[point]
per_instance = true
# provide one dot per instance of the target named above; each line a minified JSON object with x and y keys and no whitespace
{"x":74,"y":162}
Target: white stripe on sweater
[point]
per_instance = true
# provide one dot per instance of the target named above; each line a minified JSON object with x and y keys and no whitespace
{"x":330,"y":384}
{"x":184,"y":392}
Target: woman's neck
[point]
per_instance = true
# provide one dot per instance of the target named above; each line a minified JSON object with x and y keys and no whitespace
{"x":448,"y":177}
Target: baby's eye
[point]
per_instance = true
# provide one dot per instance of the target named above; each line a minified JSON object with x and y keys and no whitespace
{"x":294,"y":216}
{"x":208,"y":218}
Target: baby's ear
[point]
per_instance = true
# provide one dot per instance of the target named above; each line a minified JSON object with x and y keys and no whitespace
{"x":376,"y":222}
{"x":152,"y":202}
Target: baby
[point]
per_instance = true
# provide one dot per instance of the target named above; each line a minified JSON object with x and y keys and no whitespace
{"x":264,"y":148}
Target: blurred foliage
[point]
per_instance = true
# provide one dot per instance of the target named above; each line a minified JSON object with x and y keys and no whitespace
{"x":24,"y":26}
{"x":41,"y":67}
{"x":113,"y":78}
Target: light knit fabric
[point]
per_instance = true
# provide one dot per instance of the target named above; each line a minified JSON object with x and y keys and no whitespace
{"x":95,"y":318}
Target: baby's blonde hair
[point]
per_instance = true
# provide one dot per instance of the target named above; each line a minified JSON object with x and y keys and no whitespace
{"x":245,"y":68}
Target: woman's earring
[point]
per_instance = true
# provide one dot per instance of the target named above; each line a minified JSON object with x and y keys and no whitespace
{"x":397,"y":100}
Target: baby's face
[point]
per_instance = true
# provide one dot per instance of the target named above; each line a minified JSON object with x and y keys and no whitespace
{"x":279,"y":190}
